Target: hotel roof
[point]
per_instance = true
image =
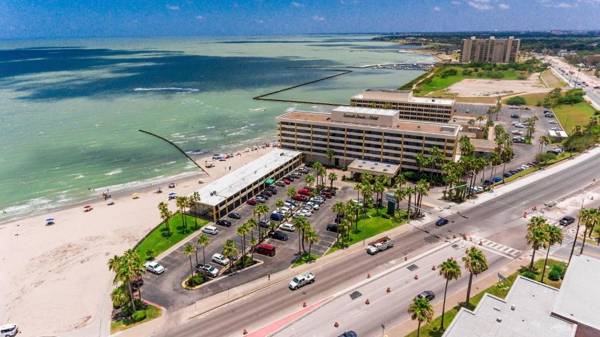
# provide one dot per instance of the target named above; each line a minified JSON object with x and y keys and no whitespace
{"x":579,"y":293}
{"x":374,"y":167}
{"x":216,"y":191}
{"x":399,"y":96}
{"x":366,"y":111}
{"x":400,"y":125}
{"x":524,"y":313}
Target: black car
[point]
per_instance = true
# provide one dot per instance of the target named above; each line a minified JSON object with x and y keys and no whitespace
{"x":507,"y":174}
{"x":427,"y":294}
{"x":332,"y":227}
{"x":223,"y":222}
{"x":514,"y":116}
{"x":566,"y":220}
{"x":234,"y":215}
{"x":441,"y":222}
{"x":264,"y":223}
{"x":349,"y":334}
{"x":267,"y":192}
{"x":279,"y":235}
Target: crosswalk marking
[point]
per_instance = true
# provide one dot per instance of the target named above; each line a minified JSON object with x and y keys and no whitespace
{"x":496,"y":246}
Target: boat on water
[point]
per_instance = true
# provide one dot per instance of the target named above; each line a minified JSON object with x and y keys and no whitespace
{"x":257,"y":109}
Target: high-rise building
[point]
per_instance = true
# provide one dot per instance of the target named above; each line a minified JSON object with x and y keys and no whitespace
{"x":490,"y":50}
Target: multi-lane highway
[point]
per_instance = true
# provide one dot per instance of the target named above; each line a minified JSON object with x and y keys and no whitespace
{"x":499,"y":219}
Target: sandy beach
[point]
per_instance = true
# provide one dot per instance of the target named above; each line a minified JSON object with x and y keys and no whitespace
{"x":54,"y":279}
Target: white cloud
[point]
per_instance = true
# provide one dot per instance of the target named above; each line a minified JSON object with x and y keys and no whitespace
{"x":318,"y":18}
{"x":297,"y":4}
{"x":172,"y":7}
{"x":437,"y":8}
{"x":481,"y":5}
{"x":503,"y":6}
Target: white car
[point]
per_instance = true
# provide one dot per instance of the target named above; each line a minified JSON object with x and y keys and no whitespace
{"x":301,"y":280}
{"x":210,"y":229}
{"x":208,"y":270}
{"x":9,"y":330}
{"x":154,"y":267}
{"x":287,"y":227}
{"x":220,"y":259}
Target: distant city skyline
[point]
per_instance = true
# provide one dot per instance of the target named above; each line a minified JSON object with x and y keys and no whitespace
{"x":97,"y":18}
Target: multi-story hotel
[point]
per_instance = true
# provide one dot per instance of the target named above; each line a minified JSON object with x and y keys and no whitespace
{"x":490,"y":50}
{"x":409,"y":107}
{"x":366,"y":135}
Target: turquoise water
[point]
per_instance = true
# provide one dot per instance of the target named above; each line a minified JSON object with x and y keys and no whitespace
{"x":70,"y":110}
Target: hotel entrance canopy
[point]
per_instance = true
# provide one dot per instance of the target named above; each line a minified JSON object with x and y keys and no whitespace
{"x":373,"y":167}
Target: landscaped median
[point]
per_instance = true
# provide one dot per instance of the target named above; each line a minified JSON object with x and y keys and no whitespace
{"x":500,"y":289}
{"x":150,"y":312}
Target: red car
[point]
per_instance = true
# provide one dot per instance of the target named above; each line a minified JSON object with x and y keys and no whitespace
{"x":304,"y":191}
{"x":287,"y":181}
{"x":300,"y":197}
{"x":251,"y":202}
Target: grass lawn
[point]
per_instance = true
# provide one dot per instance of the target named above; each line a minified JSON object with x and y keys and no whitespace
{"x":152,"y":312}
{"x":573,"y":115}
{"x":305,"y":258}
{"x":155,"y":243}
{"x":499,"y":289}
{"x":372,"y":224}
{"x":530,"y":99}
{"x":551,"y":80}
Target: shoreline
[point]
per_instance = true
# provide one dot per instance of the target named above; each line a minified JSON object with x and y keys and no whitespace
{"x":136,"y":186}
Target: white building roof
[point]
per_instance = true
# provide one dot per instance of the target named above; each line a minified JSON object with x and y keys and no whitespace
{"x":216,"y":191}
{"x":557,"y":134}
{"x":579,"y":295}
{"x":389,"y":95}
{"x":525,"y":312}
{"x":374,"y":167}
{"x":366,"y":111}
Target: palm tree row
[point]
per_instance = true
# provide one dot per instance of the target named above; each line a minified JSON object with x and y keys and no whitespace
{"x":413,"y":194}
{"x":306,"y":233}
{"x":541,"y":234}
{"x":127,"y":268}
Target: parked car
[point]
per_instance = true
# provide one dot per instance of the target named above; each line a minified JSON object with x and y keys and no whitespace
{"x":208,"y":270}
{"x":288,"y":227}
{"x":379,"y":245}
{"x":9,"y":330}
{"x":349,"y":333}
{"x":427,"y":294}
{"x":514,"y":115}
{"x":154,"y":267}
{"x":279,"y":235}
{"x":332,"y":227}
{"x":276,"y":216}
{"x":264,"y":223}
{"x":220,"y":259}
{"x":267,"y":193}
{"x":566,"y":220}
{"x":260,"y":199}
{"x":441,"y":222}
{"x":300,"y":197}
{"x":223,"y":222}
{"x":507,"y":174}
{"x":496,"y":179}
{"x":265,"y":249}
{"x":234,"y":215}
{"x":301,"y":280}
{"x":251,"y":202}
{"x":304,"y":191}
{"x":210,"y":229}
{"x":287,"y":181}
{"x":280,"y":183}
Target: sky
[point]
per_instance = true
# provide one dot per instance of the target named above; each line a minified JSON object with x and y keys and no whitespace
{"x":110,"y":18}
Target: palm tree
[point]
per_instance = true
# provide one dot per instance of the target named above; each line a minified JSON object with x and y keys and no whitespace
{"x":332,"y":177}
{"x":421,"y":310}
{"x":203,"y":241}
{"x":399,"y":195}
{"x":476,"y":263}
{"x":259,"y":211}
{"x":190,"y":204}
{"x":536,"y":235}
{"x":311,"y":237}
{"x":330,"y":155}
{"x":449,"y":270}
{"x":409,"y":192}
{"x":379,"y":189}
{"x":343,"y":230}
{"x":544,"y":140}
{"x":339,"y":208}
{"x":291,"y":192}
{"x":189,"y":250}
{"x":251,"y":223}
{"x":230,"y":251}
{"x":165,"y":214}
{"x":310,"y":180}
{"x":127,"y":268}
{"x":279,"y":203}
{"x":301,"y":225}
{"x":241,"y":232}
{"x":554,"y":236}
{"x":181,"y":203}
{"x":590,"y":220}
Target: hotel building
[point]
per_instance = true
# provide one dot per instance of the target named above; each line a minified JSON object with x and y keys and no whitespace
{"x":408,"y":107}
{"x":490,"y":50}
{"x":352,"y":133}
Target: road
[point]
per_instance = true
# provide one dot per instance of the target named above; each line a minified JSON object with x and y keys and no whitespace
{"x":575,"y":78}
{"x":499,"y":220}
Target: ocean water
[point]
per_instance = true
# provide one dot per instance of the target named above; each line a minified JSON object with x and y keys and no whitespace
{"x":70,"y":110}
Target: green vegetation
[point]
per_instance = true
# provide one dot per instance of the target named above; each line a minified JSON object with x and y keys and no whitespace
{"x":516,"y":100}
{"x":530,"y":99}
{"x":551,"y":80}
{"x":499,"y":289}
{"x":571,"y":116}
{"x":148,"y":313}
{"x":446,"y":75}
{"x":194,"y":280}
{"x":304,"y":258}
{"x":160,"y":239}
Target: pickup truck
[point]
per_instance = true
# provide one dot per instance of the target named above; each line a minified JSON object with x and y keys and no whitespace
{"x":301,"y":280}
{"x":380,"y":245}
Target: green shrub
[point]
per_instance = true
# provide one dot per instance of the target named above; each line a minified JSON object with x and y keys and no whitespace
{"x":557,"y":272}
{"x":517,"y":100}
{"x":526,"y":272}
{"x":543,"y":158}
{"x":195,"y":280}
{"x":138,"y":316}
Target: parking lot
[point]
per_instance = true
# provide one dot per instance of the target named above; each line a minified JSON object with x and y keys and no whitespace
{"x":166,"y":289}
